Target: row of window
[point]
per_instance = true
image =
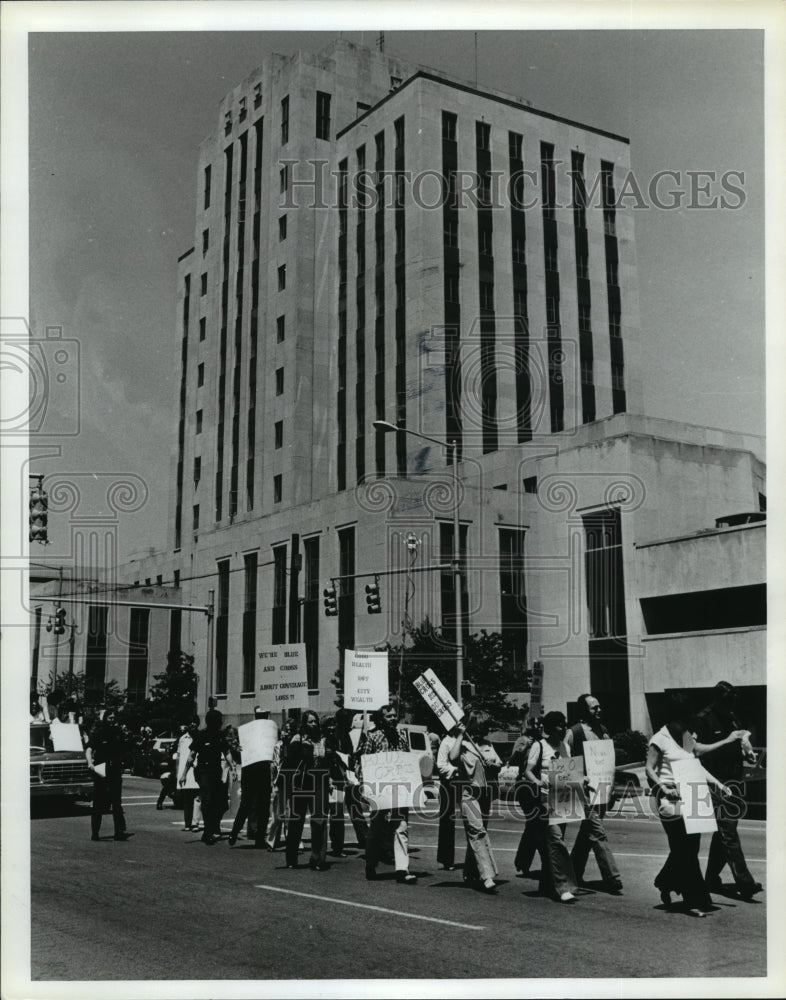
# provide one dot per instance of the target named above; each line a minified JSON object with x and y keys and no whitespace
{"x":322,"y":125}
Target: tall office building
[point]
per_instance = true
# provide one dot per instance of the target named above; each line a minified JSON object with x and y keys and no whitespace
{"x":376,"y":241}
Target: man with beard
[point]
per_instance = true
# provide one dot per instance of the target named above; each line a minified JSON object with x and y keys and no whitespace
{"x":386,"y":824}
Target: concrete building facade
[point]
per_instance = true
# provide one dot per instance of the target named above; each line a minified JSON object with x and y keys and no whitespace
{"x":375,"y":241}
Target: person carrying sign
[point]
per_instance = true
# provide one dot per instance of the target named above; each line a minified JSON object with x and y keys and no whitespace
{"x":307,"y":770}
{"x":558,"y":876}
{"x":386,"y":824}
{"x":106,"y":749}
{"x":592,"y":832}
{"x":255,"y":781}
{"x":466,"y":755}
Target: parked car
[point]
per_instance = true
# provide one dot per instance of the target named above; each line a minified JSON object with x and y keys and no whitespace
{"x":56,"y":773}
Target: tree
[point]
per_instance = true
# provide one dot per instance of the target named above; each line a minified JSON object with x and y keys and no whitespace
{"x":63,"y":687}
{"x":484,"y":666}
{"x":173,"y":696}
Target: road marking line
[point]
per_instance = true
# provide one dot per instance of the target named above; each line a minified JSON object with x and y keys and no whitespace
{"x":368,"y":906}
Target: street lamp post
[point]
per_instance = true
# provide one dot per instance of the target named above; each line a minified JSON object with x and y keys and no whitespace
{"x":452,"y":450}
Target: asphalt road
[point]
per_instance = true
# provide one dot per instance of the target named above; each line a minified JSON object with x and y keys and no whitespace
{"x":165,"y":906}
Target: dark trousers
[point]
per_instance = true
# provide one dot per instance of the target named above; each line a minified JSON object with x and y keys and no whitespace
{"x":592,"y":836}
{"x":107,"y":794}
{"x":300,"y":804}
{"x":446,"y":836}
{"x":725,"y":847}
{"x":355,"y":804}
{"x":212,"y":792}
{"x":532,"y":840}
{"x":682,"y":872}
{"x":168,"y":786}
{"x":254,"y":800}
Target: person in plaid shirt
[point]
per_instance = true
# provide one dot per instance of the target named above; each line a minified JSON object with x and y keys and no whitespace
{"x":386,"y":824}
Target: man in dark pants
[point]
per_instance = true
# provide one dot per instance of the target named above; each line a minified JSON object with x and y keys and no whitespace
{"x":721,"y":749}
{"x":255,"y":788}
{"x":207,"y":748}
{"x":446,"y":836}
{"x":592,"y":832}
{"x":105,"y":752}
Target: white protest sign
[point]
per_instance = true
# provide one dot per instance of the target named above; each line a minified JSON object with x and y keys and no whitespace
{"x":365,"y":680}
{"x":390,"y":780}
{"x":566,"y":795}
{"x":284,"y":677}
{"x":599,"y":764}
{"x":439,"y":699}
{"x":183,"y":751}
{"x":536,"y":690}
{"x":696,"y":803}
{"x":66,"y":736}
{"x":257,"y":740}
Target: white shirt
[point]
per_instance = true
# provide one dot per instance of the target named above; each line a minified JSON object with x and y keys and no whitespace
{"x":445,"y":767}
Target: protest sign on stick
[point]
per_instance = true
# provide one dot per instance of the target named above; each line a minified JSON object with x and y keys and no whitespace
{"x":439,"y":699}
{"x":284,"y":677}
{"x":365,"y":680}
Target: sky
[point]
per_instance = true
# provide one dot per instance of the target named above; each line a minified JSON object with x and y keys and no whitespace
{"x":115,"y":120}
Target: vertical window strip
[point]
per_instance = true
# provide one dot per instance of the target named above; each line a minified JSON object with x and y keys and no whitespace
{"x":550,"y":260}
{"x":341,"y":394}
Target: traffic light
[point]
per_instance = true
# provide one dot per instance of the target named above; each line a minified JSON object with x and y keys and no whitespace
{"x":39,"y":504}
{"x":60,"y":625}
{"x":467,"y":690}
{"x":331,"y":603}
{"x":373,"y":604}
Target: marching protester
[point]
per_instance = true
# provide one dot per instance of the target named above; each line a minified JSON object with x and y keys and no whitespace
{"x":338,"y":787}
{"x":681,"y":873}
{"x":557,"y":877}
{"x":722,"y":744}
{"x":307,"y":776}
{"x":386,"y":824}
{"x":448,"y":771}
{"x":276,"y":824}
{"x":592,"y":832}
{"x":355,"y":804}
{"x":106,"y":750}
{"x":475,"y":801}
{"x":256,"y":790}
{"x":528,"y":800}
{"x":208,"y":748}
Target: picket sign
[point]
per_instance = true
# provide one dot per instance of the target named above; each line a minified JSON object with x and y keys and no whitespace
{"x":696,"y":803}
{"x":257,"y":740}
{"x":365,"y":679}
{"x":599,"y":763}
{"x":284,"y":677}
{"x":66,"y":736}
{"x":390,"y":780}
{"x":439,"y":699}
{"x":566,"y":795}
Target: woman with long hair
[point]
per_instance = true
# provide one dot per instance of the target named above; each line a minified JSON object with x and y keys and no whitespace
{"x":307,"y":778}
{"x":468,"y":754}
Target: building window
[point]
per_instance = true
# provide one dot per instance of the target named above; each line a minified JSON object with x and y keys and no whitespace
{"x":282,"y":277}
{"x":285,"y":121}
{"x":195,"y":520}
{"x":448,"y":581}
{"x":617,"y":376}
{"x":346,"y":590}
{"x":451,"y":288}
{"x":552,"y":312}
{"x":250,"y":562}
{"x":222,"y":627}
{"x":482,"y":135}
{"x":279,"y":381}
{"x":361,"y":108}
{"x":277,"y":489}
{"x":584,"y":319}
{"x":202,"y":328}
{"x":207,"y":187}
{"x":530,"y":484}
{"x":513,"y":604}
{"x":199,"y":421}
{"x":323,"y":115}
{"x":612,"y":273}
{"x":586,"y":372}
{"x":450,"y":231}
{"x":582,"y":267}
{"x":279,"y":622}
{"x":205,"y":241}
{"x":242,"y":109}
{"x":279,"y":434}
{"x":200,"y":375}
{"x":487,"y":295}
{"x":197,"y":469}
{"x":282,"y":228}
{"x":449,"y":126}
{"x":283,"y":178}
{"x":515,"y":146}
{"x":551,"y":258}
{"x":138,"y":655}
{"x":203,"y":284}
{"x":485,"y":247}
{"x":311,"y":609}
{"x":615,"y":328}
{"x":519,"y":249}
{"x":227,"y":122}
{"x":177,"y":584}
{"x":280,"y":329}
{"x":395,"y":82}
{"x":257,"y":94}
{"x":95,"y":658}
